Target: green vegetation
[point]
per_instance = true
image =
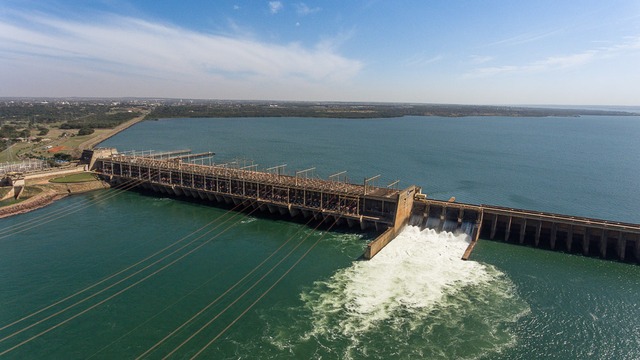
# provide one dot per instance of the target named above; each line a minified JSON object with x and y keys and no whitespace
{"x":352,"y":110}
{"x":4,"y":190}
{"x":33,"y":126}
{"x":98,"y":121}
{"x":43,"y":130}
{"x":74,"y":178}
{"x":10,"y":201}
{"x":85,"y":131}
{"x":11,"y":132}
{"x":62,"y":157}
{"x":32,"y":113}
{"x":30,"y":191}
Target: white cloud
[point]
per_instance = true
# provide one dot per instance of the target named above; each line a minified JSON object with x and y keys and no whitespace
{"x":632,"y":44}
{"x":121,"y":50}
{"x":480,"y":59}
{"x":335,"y":42}
{"x":275,"y":6}
{"x":561,"y":62}
{"x":525,"y":38}
{"x":420,"y":60}
{"x":238,"y":30}
{"x":304,"y":9}
{"x":550,"y":63}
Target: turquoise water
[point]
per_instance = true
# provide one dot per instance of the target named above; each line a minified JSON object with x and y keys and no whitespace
{"x":244,"y":286}
{"x":581,"y":166}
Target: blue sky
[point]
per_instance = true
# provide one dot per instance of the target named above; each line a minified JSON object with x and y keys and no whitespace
{"x":464,"y":52}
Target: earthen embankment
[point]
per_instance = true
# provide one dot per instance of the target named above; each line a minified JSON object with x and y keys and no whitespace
{"x":48,"y":194}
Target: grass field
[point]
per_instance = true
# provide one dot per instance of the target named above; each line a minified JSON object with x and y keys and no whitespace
{"x":4,"y":190}
{"x":28,"y":192}
{"x":74,"y":178}
{"x":9,"y":202}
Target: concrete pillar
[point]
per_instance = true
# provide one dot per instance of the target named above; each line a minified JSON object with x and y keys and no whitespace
{"x":585,"y":242}
{"x":443,"y":217}
{"x":494,"y":225}
{"x":523,"y":229}
{"x":552,"y":240}
{"x":569,"y":238}
{"x":603,"y":244}
{"x":475,"y":232}
{"x":425,"y":217}
{"x":538,"y":230}
{"x":622,"y":246}
{"x":508,"y":230}
{"x":18,"y":188}
{"x":478,"y":227}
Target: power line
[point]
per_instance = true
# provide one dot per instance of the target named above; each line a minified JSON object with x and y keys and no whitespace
{"x":263,"y":294}
{"x":148,"y":351}
{"x":119,"y":292}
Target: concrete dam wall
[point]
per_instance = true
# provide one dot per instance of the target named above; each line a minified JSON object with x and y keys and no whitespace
{"x":571,"y":234}
{"x":365,"y":206}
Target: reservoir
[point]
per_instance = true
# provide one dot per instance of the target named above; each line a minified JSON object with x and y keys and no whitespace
{"x":416,"y":299}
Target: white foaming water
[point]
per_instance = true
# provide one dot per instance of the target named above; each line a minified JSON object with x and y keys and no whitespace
{"x":418,"y":292}
{"x":413,"y":272}
{"x":248,"y":220}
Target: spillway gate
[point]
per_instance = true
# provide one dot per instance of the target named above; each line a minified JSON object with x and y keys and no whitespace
{"x":572,"y":234}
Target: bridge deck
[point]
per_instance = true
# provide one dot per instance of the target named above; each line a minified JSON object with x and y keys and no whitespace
{"x":367,"y":206}
{"x":314,"y":184}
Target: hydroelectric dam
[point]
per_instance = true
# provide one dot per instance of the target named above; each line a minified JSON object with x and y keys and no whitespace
{"x":364,"y":206}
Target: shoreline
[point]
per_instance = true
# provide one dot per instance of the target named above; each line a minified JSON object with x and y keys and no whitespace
{"x":36,"y":202}
{"x":50,"y":194}
{"x":91,"y":143}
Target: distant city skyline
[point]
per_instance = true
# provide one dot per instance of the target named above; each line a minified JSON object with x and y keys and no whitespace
{"x":490,"y":52}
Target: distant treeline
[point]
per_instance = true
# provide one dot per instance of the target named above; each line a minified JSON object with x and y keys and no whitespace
{"x":10,"y":132}
{"x":46,"y":113}
{"x":106,"y":114}
{"x":340,"y":110}
{"x":72,"y":116}
{"x":99,"y":121}
{"x":22,"y":119}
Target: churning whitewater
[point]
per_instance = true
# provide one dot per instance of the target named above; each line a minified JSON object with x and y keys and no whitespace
{"x":410,"y":297}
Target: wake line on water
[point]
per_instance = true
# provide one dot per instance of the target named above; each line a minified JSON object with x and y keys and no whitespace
{"x":415,"y":298}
